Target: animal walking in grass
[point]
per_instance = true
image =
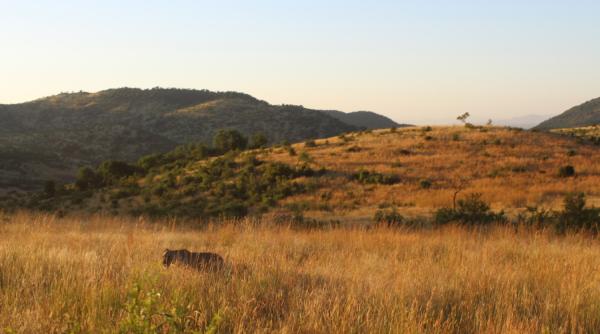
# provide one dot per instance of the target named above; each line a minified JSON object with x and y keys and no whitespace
{"x":198,"y":261}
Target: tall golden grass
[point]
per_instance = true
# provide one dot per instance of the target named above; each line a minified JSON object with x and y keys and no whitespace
{"x":99,"y":274}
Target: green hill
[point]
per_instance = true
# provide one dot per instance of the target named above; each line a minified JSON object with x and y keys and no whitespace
{"x":50,"y":138}
{"x":364,"y":119}
{"x":586,"y":114}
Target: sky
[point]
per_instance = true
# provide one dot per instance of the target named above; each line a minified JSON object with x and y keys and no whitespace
{"x":422,"y":62}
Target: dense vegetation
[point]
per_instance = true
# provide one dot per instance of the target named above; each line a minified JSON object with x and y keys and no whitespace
{"x":224,"y":181}
{"x":50,"y":138}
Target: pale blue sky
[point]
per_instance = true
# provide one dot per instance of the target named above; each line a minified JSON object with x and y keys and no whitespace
{"x":415,"y":61}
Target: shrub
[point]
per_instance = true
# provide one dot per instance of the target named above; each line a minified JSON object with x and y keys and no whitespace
{"x":566,"y":171}
{"x":258,"y":140}
{"x":445,"y":216}
{"x":388,"y":217}
{"x":369,"y":177}
{"x":535,"y":217}
{"x":49,"y":188}
{"x":113,"y":171}
{"x":88,"y":179}
{"x":345,"y":138}
{"x":305,"y":157}
{"x":470,"y":211}
{"x":425,"y":184}
{"x":576,"y":216}
{"x":229,"y":140}
{"x":150,"y":161}
{"x":310,"y":143}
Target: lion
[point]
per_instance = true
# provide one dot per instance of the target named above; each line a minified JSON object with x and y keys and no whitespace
{"x":198,"y":261}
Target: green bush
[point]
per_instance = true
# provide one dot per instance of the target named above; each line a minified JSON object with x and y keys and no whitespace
{"x":229,"y":140}
{"x":536,"y":218}
{"x":88,"y":179}
{"x":370,"y":177}
{"x":388,"y":217}
{"x":471,"y":211}
{"x":577,"y":216}
{"x":425,"y":184}
{"x":305,"y":157}
{"x":258,"y":140}
{"x":291,"y":151}
{"x":113,"y":171}
{"x":566,"y":171}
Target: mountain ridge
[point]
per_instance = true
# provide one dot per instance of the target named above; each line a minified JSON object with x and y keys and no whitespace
{"x":55,"y":135}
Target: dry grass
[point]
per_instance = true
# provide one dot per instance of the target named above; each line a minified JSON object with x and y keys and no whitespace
{"x":587,"y":132}
{"x":512,"y":169}
{"x":105,"y":275}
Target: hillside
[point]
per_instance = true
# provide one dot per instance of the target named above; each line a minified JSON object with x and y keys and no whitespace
{"x":364,"y":119}
{"x":586,"y":114}
{"x":50,"y":138}
{"x":587,"y":133}
{"x":414,"y":170}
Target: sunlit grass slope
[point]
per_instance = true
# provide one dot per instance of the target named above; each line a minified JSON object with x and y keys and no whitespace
{"x":510,"y":167}
{"x":416,"y":170}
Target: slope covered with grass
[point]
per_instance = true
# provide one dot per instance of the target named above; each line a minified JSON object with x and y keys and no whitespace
{"x":414,"y":171}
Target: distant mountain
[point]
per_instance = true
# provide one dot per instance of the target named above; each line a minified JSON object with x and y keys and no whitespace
{"x":364,"y":119}
{"x":586,"y":114}
{"x":524,"y":122}
{"x":50,"y":138}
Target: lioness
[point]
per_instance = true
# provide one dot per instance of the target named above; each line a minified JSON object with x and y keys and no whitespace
{"x":197,"y":261}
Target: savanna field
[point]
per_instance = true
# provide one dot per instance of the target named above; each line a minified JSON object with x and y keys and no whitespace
{"x":102,"y":274}
{"x":414,"y":170}
{"x":357,"y":233}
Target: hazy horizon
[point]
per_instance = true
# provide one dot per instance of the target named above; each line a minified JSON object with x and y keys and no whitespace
{"x":419,"y":63}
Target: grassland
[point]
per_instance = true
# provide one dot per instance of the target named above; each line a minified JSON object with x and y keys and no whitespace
{"x":416,"y":170}
{"x":99,"y":274}
{"x":512,"y":168}
{"x":591,"y":133}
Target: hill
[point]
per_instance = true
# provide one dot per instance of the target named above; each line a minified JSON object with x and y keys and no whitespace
{"x":586,"y":114}
{"x":590,"y":134}
{"x":364,"y":119}
{"x":50,"y":138}
{"x":350,"y":177}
